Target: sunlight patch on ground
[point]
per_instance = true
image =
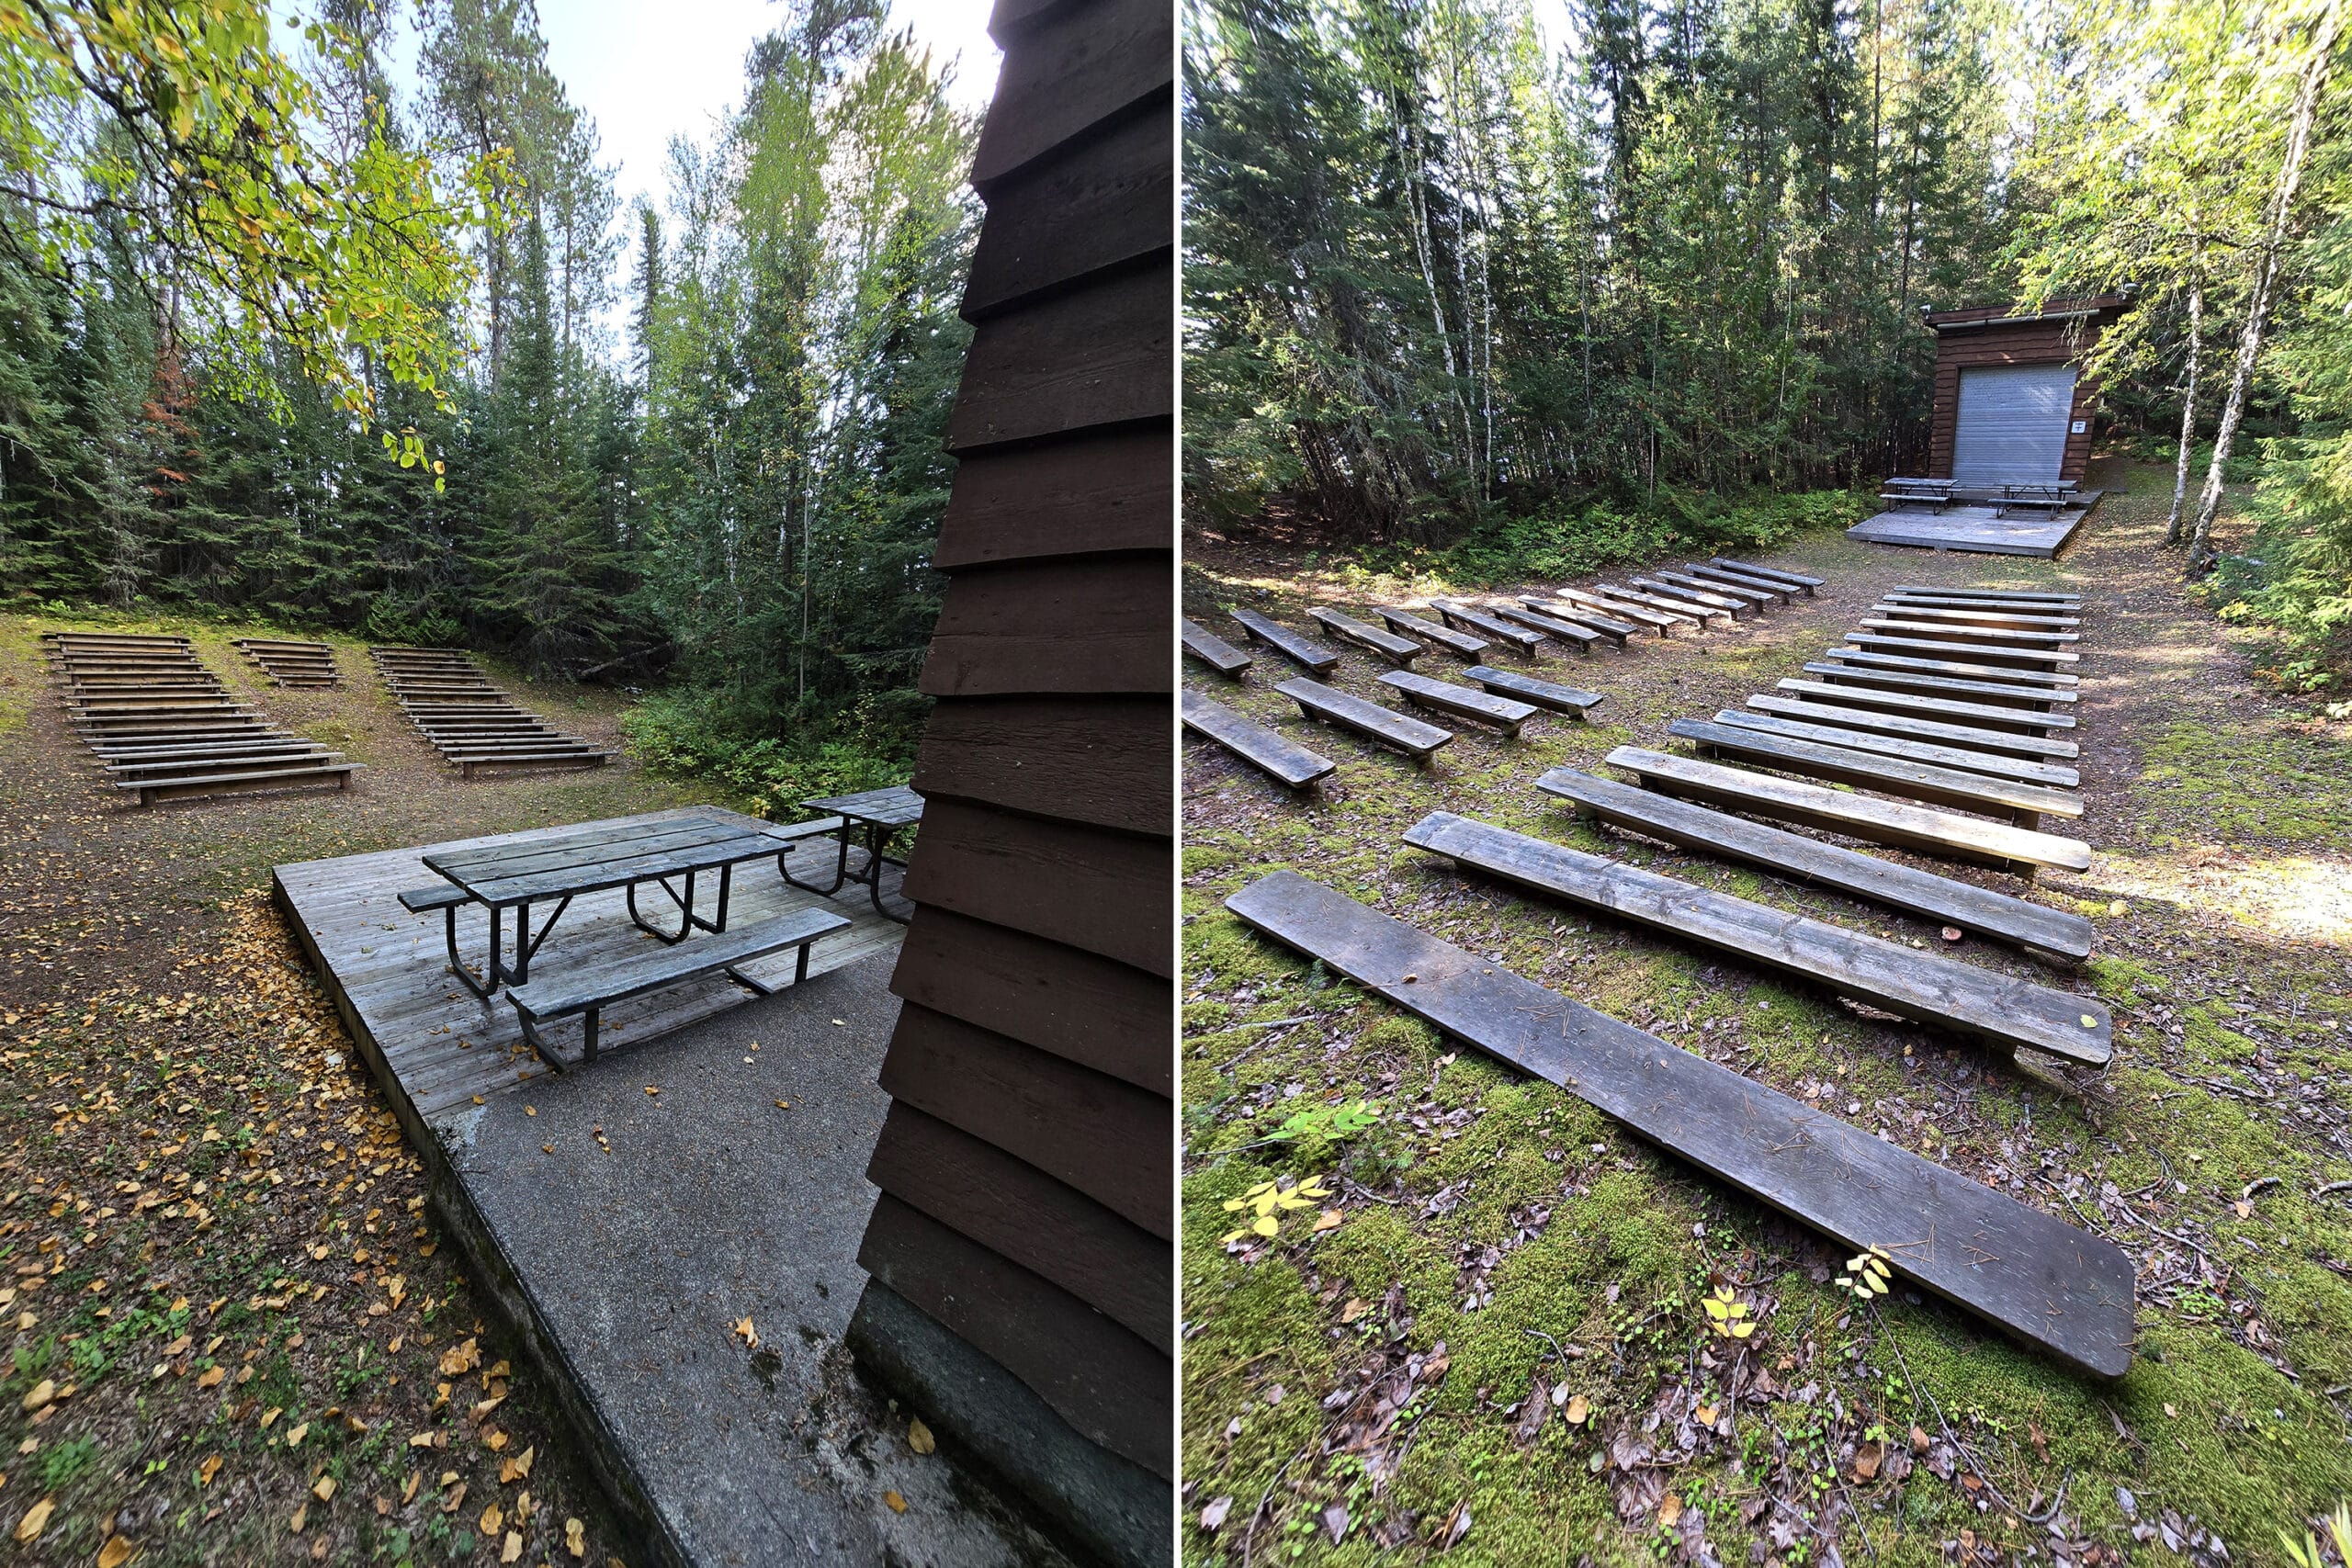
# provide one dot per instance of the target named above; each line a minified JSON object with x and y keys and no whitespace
{"x":2302,"y":898}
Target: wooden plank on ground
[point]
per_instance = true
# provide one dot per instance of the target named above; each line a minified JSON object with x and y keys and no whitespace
{"x":1911,"y":728}
{"x":1282,"y":759}
{"x":1704,"y":614}
{"x":1622,"y":614}
{"x":1857,"y":816}
{"x":1580,"y":638}
{"x":1951,"y":686}
{"x":2052,"y":936}
{"x":1922,"y":986}
{"x":1389,"y":644}
{"x":2022,"y":620}
{"x":1775,"y":593}
{"x":1991,"y":609}
{"x":1732,"y":605}
{"x":2059,"y":1289}
{"x":2005,"y":636}
{"x":1937,"y":647}
{"x":2024,"y":804}
{"x":1989,"y":715}
{"x":2022,"y":595}
{"x":1298,"y":649}
{"x":1456,"y":614}
{"x":1966,"y":761}
{"x":1436,"y":635}
{"x":1577,"y":614}
{"x":1958,"y":670}
{"x":1213,"y":650}
{"x":1767,"y":573}
{"x":1461,"y":701}
{"x":1528,"y":689}
{"x":1693,"y":583}
{"x":1386,"y":725}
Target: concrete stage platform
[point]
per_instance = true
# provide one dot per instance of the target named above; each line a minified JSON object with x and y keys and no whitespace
{"x":622,"y":1262}
{"x":1978,"y":528}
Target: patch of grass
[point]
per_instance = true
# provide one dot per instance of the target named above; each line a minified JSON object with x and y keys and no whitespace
{"x":2244,"y":785}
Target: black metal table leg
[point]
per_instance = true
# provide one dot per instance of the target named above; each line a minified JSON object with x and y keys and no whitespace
{"x":841,"y":867}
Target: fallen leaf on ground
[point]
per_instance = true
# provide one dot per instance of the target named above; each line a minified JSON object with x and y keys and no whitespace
{"x":575,"y":1538}
{"x":324,"y":1490}
{"x":514,"y":1551}
{"x":919,"y":1437}
{"x":45,"y":1392}
{"x":517,"y":1468}
{"x":1212,"y":1516}
{"x":747,"y":1333}
{"x":36,"y":1519}
{"x":897,"y":1504}
{"x":118,"y":1550}
{"x":296,"y":1433}
{"x":302,"y":1517}
{"x":208,"y":1470}
{"x":1579,"y":1408}
{"x":494,"y":1519}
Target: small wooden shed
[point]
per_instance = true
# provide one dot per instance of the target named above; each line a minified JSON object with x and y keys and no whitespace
{"x":2012,"y":405}
{"x":1022,"y":1255}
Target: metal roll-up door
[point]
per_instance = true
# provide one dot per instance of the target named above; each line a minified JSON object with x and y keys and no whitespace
{"x":2012,"y":423}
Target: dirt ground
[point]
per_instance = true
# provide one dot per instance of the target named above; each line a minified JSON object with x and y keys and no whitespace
{"x":236,"y":1336}
{"x":1488,"y":1342}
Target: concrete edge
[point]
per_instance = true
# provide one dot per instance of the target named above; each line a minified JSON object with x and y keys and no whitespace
{"x":508,"y":1298}
{"x":1105,"y":1507}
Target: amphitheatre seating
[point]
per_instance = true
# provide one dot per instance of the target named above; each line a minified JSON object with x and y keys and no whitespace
{"x":1581,"y":637}
{"x":1213,"y":650}
{"x":1780,"y":593}
{"x":1829,"y":710}
{"x":1920,"y":828}
{"x":1733,"y":605}
{"x":1461,"y":701}
{"x":1457,"y":614}
{"x":290,"y":664}
{"x":2053,"y":936}
{"x":1766,"y":573}
{"x":470,"y":721}
{"x":1989,"y":715}
{"x":1436,"y":635}
{"x":1937,"y":648}
{"x":1389,"y":644}
{"x":163,"y":727}
{"x":1997,"y":595}
{"x":1954,"y":787}
{"x":1958,"y":670}
{"x":1967,"y":760}
{"x":1386,"y":725}
{"x":1755,"y":598}
{"x":1528,"y":689}
{"x":1961,"y":614}
{"x":1968,"y":690}
{"x":1303,"y":651}
{"x":1925,"y":987}
{"x":1665,"y":605}
{"x":1947,"y":631}
{"x":1280,"y":760}
{"x":1616,"y":631}
{"x":1622,"y":614}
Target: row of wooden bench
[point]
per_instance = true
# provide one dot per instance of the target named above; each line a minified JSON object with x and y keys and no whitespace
{"x":163,"y":725}
{"x":291,"y":663}
{"x":470,"y":721}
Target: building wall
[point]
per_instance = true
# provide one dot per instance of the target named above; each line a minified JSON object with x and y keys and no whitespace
{"x":2023,"y":342}
{"x":1025,"y":1165}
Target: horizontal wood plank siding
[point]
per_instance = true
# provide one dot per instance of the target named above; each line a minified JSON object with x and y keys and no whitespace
{"x":1027,"y":1165}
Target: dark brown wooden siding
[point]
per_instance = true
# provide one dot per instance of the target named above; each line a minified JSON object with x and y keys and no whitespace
{"x":1027,"y":1163}
{"x":2055,"y":340}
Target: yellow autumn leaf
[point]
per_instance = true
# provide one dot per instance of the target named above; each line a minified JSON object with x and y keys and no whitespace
{"x":324,"y":1490}
{"x":919,"y":1437}
{"x":1579,"y":1408}
{"x":118,"y":1550}
{"x":897,"y":1504}
{"x":36,"y":1519}
{"x":747,"y":1333}
{"x":514,"y":1551}
{"x":296,"y":1433}
{"x":494,"y":1519}
{"x":575,"y":1538}
{"x":208,"y":1470}
{"x":517,"y":1468}
{"x":45,"y":1392}
{"x":1329,"y":1220}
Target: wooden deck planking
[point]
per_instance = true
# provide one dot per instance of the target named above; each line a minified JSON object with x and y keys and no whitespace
{"x":1922,"y":986}
{"x":434,"y":1046}
{"x":1976,"y":529}
{"x":2041,"y":1280}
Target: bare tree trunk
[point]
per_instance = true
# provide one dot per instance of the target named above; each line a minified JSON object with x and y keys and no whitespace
{"x":2188,"y":389}
{"x":2258,"y":309}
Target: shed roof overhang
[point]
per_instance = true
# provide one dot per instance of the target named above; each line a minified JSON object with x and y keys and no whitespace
{"x":2097,"y":309}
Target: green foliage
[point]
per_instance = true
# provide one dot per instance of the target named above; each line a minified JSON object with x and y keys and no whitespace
{"x":691,"y":733}
{"x":1570,"y":542}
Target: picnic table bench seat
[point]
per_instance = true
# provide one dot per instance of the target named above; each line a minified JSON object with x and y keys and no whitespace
{"x":585,"y":992}
{"x":1925,"y":828}
{"x":1211,"y":649}
{"x":1306,"y":652}
{"x":1955,"y":788}
{"x":1456,"y":614}
{"x":1549,"y":694}
{"x":1926,"y":987}
{"x":1911,"y":727}
{"x":1769,"y":573}
{"x":1616,"y":631}
{"x":2047,"y":935}
{"x":1430,"y":632}
{"x":1506,"y":713}
{"x":1389,"y":644}
{"x":1386,"y":725}
{"x":1983,"y":715}
{"x":1991,"y":763}
{"x":1581,"y":637}
{"x":440,"y":896}
{"x":2024,"y":695}
{"x":1268,"y":751}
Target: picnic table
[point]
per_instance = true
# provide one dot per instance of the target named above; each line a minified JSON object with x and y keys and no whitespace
{"x":561,"y":867}
{"x":878,"y":813}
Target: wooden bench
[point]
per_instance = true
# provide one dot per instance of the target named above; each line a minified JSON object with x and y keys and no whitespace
{"x":1932,"y":495}
{"x":1446,"y":637}
{"x":1528,"y":689}
{"x":1581,"y":637}
{"x":2001,"y":595}
{"x":2032,"y":609}
{"x":2015,"y":675}
{"x":2011,"y":1015}
{"x":1692,"y":583}
{"x":440,"y":896}
{"x":1916,"y":610}
{"x":586,"y":991}
{"x":1456,"y":614}
{"x":2059,"y":1290}
{"x":237,"y":778}
{"x":2049,"y":936}
{"x":1997,"y":637}
{"x":1772,"y":592}
{"x":1461,"y":701}
{"x":1389,"y":644}
{"x":1577,"y":614}
{"x":1656,"y":583}
{"x":1624,"y":615}
{"x":1702,"y":613}
{"x":1985,"y":716}
{"x":1212,"y":650}
{"x":1920,"y":828}
{"x":1309,"y":655}
{"x":2023,"y":804}
{"x":1989,"y":763}
{"x":1386,"y":725}
{"x":1939,"y":685}
{"x":1932,"y":648}
{"x":1767,"y":573}
{"x":1913,"y":729}
{"x":1262,"y":749}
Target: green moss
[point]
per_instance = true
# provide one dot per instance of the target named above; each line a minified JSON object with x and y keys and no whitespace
{"x":2244,"y":784}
